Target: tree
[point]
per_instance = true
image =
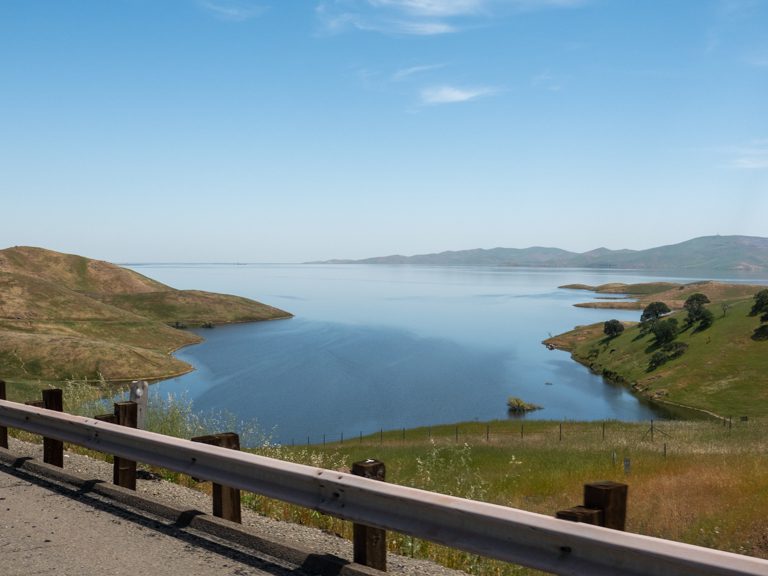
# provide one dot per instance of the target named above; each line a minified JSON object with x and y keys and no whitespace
{"x":665,"y":330}
{"x":613,"y":328}
{"x":761,"y":307}
{"x":706,"y":319}
{"x":651,"y":314}
{"x":695,"y":306}
{"x":654,"y":311}
{"x":761,"y":303}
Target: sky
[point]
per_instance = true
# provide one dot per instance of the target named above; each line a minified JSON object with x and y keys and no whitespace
{"x":299,"y":130}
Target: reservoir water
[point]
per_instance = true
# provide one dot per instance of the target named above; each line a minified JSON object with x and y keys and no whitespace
{"x":376,"y":346}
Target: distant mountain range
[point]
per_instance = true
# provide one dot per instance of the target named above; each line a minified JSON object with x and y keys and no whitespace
{"x":737,"y":253}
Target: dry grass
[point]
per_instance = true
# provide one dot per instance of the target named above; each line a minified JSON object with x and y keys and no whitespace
{"x":68,"y":317}
{"x":704,"y":483}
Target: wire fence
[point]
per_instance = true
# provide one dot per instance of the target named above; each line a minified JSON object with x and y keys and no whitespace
{"x":665,"y":433}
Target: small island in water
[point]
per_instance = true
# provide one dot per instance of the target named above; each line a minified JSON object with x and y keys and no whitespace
{"x":67,"y":317}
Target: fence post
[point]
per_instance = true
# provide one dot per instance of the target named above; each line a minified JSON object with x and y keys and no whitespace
{"x":3,"y":429}
{"x":140,"y":395}
{"x":53,"y":450}
{"x":226,"y":500}
{"x":124,"y":471}
{"x":370,"y":544}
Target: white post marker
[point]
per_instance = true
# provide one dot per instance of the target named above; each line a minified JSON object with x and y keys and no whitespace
{"x":140,"y":395}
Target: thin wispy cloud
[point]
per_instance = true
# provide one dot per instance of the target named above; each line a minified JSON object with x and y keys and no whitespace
{"x":232,"y":11}
{"x":453,"y":95}
{"x":405,"y":73}
{"x":422,"y":17}
{"x":439,"y":8}
{"x":752,"y":157}
{"x":423,"y":28}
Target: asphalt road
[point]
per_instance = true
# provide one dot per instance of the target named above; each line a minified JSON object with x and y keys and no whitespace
{"x":53,"y":528}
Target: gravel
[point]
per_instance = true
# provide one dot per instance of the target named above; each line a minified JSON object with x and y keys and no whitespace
{"x":186,"y":498}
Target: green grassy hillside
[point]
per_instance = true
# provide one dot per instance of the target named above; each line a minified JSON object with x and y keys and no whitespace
{"x":65,"y":317}
{"x":723,"y":370}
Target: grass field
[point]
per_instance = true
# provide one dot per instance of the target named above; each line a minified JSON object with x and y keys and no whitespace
{"x":704,"y":483}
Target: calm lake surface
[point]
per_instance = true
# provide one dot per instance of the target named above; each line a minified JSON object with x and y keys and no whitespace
{"x":375,"y":346}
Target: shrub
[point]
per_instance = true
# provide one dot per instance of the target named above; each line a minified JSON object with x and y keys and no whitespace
{"x":518,"y":406}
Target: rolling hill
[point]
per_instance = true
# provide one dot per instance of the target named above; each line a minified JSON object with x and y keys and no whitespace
{"x":722,"y":369}
{"x":66,"y":317}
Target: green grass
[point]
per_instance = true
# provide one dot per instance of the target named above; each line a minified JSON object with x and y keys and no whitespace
{"x":698,"y":482}
{"x":723,"y":370}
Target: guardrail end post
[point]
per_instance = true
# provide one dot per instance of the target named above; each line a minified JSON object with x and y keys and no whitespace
{"x":226,"y":500}
{"x":370,"y":544}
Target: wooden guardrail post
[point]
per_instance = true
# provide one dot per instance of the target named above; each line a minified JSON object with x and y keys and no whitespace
{"x":369,"y":544}
{"x":611,"y":498}
{"x":3,"y":429}
{"x":605,"y":504}
{"x":53,"y":450}
{"x":123,"y":470}
{"x":581,"y":514}
{"x":226,"y":500}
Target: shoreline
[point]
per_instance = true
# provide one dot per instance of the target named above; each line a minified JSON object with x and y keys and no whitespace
{"x":153,"y":379}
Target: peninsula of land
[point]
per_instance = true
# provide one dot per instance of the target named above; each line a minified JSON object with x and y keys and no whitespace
{"x":67,"y":317}
{"x":719,"y":366}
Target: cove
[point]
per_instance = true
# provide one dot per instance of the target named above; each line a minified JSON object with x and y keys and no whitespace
{"x":374,"y":347}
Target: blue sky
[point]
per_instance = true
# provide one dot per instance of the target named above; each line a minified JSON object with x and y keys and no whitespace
{"x":294,"y":130}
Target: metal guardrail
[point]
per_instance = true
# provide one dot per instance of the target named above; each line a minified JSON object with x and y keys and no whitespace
{"x":490,"y":530}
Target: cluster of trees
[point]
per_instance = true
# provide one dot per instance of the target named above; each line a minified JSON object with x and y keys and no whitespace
{"x":666,"y":330}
